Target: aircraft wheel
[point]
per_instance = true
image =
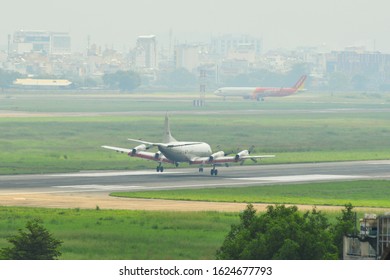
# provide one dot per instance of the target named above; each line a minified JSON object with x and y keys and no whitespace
{"x":215,"y":172}
{"x":212,"y":172}
{"x":160,"y":169}
{"x":201,"y":169}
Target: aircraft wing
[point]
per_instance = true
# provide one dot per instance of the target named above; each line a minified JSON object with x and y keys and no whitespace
{"x":140,"y":154}
{"x":226,"y":159}
{"x":254,"y":157}
{"x":119,"y":150}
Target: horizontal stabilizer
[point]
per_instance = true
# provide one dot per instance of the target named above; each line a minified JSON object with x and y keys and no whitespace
{"x":143,"y":142}
{"x":166,"y":145}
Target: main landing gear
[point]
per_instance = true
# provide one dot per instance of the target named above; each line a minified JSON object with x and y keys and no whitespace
{"x":213,"y":172}
{"x":160,"y":168}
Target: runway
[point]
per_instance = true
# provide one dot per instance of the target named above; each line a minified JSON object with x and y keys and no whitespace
{"x":91,"y":189}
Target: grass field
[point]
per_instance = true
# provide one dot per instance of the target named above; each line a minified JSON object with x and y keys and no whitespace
{"x":359,"y":193}
{"x":139,"y":235}
{"x":64,"y":144}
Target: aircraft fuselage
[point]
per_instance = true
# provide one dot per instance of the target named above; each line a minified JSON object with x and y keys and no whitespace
{"x":185,"y":151}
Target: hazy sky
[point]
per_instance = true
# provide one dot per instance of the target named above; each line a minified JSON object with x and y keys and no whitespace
{"x":280,"y":23}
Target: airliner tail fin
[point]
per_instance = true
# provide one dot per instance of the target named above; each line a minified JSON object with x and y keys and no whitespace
{"x":299,"y":85}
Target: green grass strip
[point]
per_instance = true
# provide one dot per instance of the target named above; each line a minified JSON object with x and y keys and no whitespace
{"x":367,"y":193}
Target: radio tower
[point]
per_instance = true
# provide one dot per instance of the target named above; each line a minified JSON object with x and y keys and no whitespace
{"x":202,"y":88}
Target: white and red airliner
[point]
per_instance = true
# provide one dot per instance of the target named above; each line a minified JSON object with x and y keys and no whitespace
{"x":259,"y":93}
{"x":174,"y":152}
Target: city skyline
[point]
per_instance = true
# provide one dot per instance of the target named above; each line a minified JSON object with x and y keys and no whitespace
{"x":280,"y":24}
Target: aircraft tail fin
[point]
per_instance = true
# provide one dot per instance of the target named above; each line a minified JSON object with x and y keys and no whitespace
{"x":300,"y":84}
{"x":167,"y":138}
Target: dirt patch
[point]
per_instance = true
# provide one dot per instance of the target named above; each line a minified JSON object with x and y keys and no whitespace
{"x":103,"y":201}
{"x":22,"y":114}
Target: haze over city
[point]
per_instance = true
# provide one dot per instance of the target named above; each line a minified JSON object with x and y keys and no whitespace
{"x":281,"y":24}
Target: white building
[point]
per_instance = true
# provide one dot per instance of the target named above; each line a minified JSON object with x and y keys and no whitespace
{"x":45,"y":42}
{"x":146,"y":52}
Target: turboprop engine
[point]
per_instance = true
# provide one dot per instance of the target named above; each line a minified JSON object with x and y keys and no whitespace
{"x":215,"y":155}
{"x":137,"y":149}
{"x":241,"y":154}
{"x":244,"y":153}
{"x":157,"y":155}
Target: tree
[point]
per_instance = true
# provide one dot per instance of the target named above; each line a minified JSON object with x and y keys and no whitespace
{"x":181,"y":78}
{"x":345,"y":225}
{"x":123,"y":80}
{"x":178,"y":79}
{"x":7,"y":77}
{"x":35,"y":244}
{"x":338,"y":81}
{"x":360,"y":82}
{"x":280,"y":233}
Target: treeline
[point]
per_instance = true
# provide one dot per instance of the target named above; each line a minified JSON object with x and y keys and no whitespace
{"x":181,"y":79}
{"x":284,"y":233}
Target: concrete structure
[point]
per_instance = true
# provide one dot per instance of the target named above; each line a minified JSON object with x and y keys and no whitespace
{"x":372,"y":243}
{"x":356,"y":248}
{"x":383,"y":244}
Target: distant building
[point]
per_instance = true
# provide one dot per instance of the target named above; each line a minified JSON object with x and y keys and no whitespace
{"x":45,"y":42}
{"x":359,"y":62}
{"x":223,"y":45}
{"x":60,"y":43}
{"x":187,"y":56}
{"x":146,"y":52}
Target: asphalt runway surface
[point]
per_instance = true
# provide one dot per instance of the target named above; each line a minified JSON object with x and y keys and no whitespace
{"x":91,"y":189}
